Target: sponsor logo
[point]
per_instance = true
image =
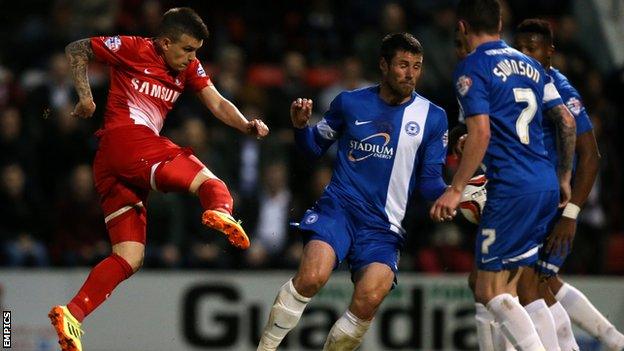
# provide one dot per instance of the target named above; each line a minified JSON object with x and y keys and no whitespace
{"x":375,"y":145}
{"x":463,"y":85}
{"x":359,"y":123}
{"x":412,"y":128}
{"x":113,"y":43}
{"x":155,"y":90}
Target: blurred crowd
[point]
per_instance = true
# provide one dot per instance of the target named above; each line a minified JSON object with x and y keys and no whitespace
{"x":261,"y":57}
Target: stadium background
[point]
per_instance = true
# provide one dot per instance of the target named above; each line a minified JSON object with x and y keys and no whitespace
{"x":262,"y":55}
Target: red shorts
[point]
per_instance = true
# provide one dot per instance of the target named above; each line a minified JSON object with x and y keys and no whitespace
{"x":124,"y":173}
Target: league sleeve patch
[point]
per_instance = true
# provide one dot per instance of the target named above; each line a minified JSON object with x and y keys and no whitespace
{"x":200,"y":70}
{"x":463,"y":85}
{"x":574,"y":105}
{"x":113,"y":43}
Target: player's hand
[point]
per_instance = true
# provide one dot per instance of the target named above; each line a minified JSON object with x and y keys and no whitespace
{"x":257,"y":128}
{"x":444,"y":209}
{"x":300,"y":112}
{"x":559,"y":242}
{"x":84,"y":109}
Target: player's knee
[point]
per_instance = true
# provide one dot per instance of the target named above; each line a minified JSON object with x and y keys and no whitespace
{"x":483,"y":294}
{"x":176,"y":174}
{"x":370,"y":298}
{"x":310,"y":283}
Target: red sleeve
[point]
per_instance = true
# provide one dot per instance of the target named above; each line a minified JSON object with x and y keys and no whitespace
{"x":196,"y":77}
{"x":115,"y":50}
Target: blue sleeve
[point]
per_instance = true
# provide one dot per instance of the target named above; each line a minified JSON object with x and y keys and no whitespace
{"x":576,"y":107}
{"x":310,"y":143}
{"x":471,"y":90}
{"x":314,"y":141}
{"x":431,"y":185}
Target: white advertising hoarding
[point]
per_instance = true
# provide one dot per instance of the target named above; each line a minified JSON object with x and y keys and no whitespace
{"x":203,"y":310}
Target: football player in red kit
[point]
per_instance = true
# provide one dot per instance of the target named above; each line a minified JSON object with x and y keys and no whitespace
{"x":147,"y":75}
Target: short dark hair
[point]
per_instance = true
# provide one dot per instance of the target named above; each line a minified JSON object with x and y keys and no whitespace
{"x":182,"y":20}
{"x":483,"y":16}
{"x":536,"y":26}
{"x":454,"y":136}
{"x":392,"y":43}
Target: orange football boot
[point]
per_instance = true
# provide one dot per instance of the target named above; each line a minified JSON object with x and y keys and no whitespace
{"x":227,"y":225}
{"x":67,"y":328}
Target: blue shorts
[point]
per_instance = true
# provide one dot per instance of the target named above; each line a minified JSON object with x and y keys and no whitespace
{"x":548,"y":263}
{"x":512,"y":229}
{"x":351,"y":235}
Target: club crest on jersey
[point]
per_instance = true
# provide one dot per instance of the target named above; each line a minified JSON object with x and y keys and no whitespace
{"x":311,"y":218}
{"x":113,"y":43}
{"x":200,"y":71}
{"x":463,"y":85}
{"x":574,"y":105}
{"x":412,"y":128}
{"x":375,"y":145}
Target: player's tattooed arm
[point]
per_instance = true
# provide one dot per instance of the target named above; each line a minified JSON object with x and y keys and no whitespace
{"x":79,"y":53}
{"x":566,"y":136}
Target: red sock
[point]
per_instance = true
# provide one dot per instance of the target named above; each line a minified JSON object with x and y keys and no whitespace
{"x":214,"y":195}
{"x":101,"y":281}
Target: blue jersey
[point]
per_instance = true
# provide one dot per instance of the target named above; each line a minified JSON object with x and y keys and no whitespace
{"x":513,"y":89}
{"x":383,"y":151}
{"x":573,"y":101}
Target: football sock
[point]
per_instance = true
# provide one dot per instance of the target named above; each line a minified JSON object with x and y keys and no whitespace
{"x":515,"y":323}
{"x":564,"y":328}
{"x":485,"y":321}
{"x":99,"y":284}
{"x":544,"y":324}
{"x":347,"y":333}
{"x":583,"y":313}
{"x":284,"y":316}
{"x":214,"y":195}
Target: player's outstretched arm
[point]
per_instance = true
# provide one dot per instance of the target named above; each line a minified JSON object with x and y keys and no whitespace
{"x":566,"y":141}
{"x":474,"y":149}
{"x":225,"y":111}
{"x":78,"y":54}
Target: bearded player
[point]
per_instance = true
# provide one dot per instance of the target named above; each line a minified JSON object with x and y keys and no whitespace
{"x":147,"y":76}
{"x":391,"y":145}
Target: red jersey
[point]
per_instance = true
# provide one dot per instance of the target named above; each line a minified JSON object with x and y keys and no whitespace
{"x":142,"y":87}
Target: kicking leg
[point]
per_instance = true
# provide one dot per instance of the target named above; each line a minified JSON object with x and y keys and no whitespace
{"x":316,"y":266}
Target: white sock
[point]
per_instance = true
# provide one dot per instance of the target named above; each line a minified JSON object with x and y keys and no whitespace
{"x":586,"y":316}
{"x":515,"y":323}
{"x":284,"y":316}
{"x":500,"y":341}
{"x":484,"y":319}
{"x":347,"y":333}
{"x":544,"y":324}
{"x":564,"y":328}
